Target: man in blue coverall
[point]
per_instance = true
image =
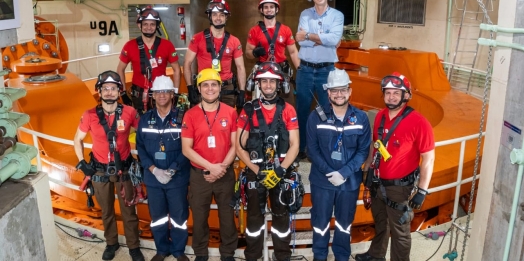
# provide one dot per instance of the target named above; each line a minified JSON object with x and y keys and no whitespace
{"x":166,"y":171}
{"x":342,"y":140}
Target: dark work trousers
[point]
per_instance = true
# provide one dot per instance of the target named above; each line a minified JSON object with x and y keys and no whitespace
{"x":136,"y":97}
{"x":200,"y":196}
{"x":386,"y":221}
{"x":169,"y":206}
{"x":280,"y":232}
{"x":105,"y":196}
{"x":229,"y":99}
{"x":345,"y":205}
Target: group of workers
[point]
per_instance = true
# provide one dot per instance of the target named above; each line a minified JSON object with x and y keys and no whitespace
{"x":187,"y":156}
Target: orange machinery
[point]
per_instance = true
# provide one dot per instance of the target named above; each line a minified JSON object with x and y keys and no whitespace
{"x":56,"y":101}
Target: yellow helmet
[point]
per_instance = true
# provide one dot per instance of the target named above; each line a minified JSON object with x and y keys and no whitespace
{"x":208,"y":74}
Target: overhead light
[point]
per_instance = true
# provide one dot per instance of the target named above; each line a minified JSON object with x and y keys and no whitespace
{"x":160,"y":7}
{"x":383,"y":46}
{"x":104,"y":48}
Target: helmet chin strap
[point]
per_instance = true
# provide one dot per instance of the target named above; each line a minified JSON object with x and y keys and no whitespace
{"x":220,"y":26}
{"x":269,"y":17}
{"x":211,"y":102}
{"x":149,"y":35}
{"x":268,"y":99}
{"x":395,"y":106}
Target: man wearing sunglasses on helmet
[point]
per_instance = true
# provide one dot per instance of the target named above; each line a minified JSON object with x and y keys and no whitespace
{"x":402,"y":138}
{"x":217,"y":49}
{"x":340,"y":140}
{"x":110,"y":124}
{"x":319,"y":33}
{"x":264,"y":172}
{"x":149,"y":56}
{"x":269,"y":39}
{"x":166,"y":171}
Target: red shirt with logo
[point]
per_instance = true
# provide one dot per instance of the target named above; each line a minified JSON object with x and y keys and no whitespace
{"x":90,"y":123}
{"x":166,"y":54}
{"x":412,"y":136}
{"x":222,"y":123}
{"x":284,"y":38}
{"x":233,"y":50}
{"x":289,"y":117}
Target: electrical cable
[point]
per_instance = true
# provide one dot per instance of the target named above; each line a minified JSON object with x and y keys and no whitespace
{"x":76,"y":237}
{"x":443,"y":237}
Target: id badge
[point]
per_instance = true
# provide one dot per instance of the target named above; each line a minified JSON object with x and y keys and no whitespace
{"x":215,"y":64}
{"x":120,"y":125}
{"x":153,"y":63}
{"x":211,"y":142}
{"x":336,"y":155}
{"x":160,"y":155}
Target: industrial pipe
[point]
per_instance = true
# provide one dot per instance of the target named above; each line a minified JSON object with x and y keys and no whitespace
{"x":496,"y":28}
{"x":17,"y":163}
{"x":8,"y":96}
{"x":12,"y":121}
{"x":494,"y":43}
{"x":516,"y":157}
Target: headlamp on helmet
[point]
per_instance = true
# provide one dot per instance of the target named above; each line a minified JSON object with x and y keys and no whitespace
{"x":108,"y":77}
{"x":396,"y":81}
{"x":148,"y":13}
{"x":218,"y":6}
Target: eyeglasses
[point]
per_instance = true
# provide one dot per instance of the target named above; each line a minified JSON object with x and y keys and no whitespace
{"x":339,"y":91}
{"x":109,"y":89}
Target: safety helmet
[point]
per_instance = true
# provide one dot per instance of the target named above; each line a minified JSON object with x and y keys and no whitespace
{"x":148,"y":13}
{"x":108,"y":77}
{"x":269,"y":70}
{"x":396,"y":81}
{"x":162,"y":83}
{"x":337,"y":78}
{"x":218,"y":6}
{"x":208,"y":74}
{"x":262,"y":2}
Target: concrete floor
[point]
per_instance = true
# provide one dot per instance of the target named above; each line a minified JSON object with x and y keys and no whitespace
{"x":71,"y":248}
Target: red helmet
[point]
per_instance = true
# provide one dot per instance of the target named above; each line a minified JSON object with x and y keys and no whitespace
{"x":148,"y":13}
{"x":262,"y":2}
{"x":218,"y":6}
{"x":108,"y":77}
{"x":396,"y":81}
{"x":269,"y":70}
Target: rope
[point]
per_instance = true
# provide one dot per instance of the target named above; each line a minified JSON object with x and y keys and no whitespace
{"x":479,"y":140}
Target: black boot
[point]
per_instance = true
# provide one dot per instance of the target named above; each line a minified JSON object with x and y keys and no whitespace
{"x":367,"y":257}
{"x":136,"y":254}
{"x":109,"y":252}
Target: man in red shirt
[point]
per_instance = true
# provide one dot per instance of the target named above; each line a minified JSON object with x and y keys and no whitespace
{"x":407,"y":136}
{"x":280,"y":119}
{"x":208,"y":141}
{"x":215,"y":48}
{"x":147,"y":62}
{"x":271,"y":38}
{"x":110,"y":161}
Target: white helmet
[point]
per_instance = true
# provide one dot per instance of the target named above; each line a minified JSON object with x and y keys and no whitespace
{"x":337,"y":78}
{"x":163,"y":83}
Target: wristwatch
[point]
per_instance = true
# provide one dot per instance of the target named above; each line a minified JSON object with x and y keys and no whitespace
{"x":172,"y":172}
{"x":307,"y":36}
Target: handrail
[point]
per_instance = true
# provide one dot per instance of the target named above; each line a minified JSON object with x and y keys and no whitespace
{"x":455,"y":184}
{"x":104,"y":55}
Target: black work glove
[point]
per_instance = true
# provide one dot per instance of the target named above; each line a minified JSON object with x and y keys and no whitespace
{"x":193,"y":94}
{"x":418,"y":198}
{"x":280,"y":171}
{"x":259,"y":51}
{"x":86,"y":168}
{"x":241,"y":99}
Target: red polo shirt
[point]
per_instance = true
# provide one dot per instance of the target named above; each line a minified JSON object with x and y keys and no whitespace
{"x":284,"y":38}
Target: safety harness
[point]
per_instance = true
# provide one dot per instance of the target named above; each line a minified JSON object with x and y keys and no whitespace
{"x":270,"y":41}
{"x":115,"y":166}
{"x":218,"y":57}
{"x":380,"y":183}
{"x":146,"y":69}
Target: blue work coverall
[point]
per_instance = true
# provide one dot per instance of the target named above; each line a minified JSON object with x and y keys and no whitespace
{"x":167,"y":202}
{"x":353,"y":136}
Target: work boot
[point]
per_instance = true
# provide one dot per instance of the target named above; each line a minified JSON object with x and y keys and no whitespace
{"x":314,"y":259}
{"x":182,"y":258}
{"x":227,"y":258}
{"x":109,"y":252}
{"x":136,"y":254}
{"x":201,"y":258}
{"x":367,"y":257}
{"x":158,"y":257}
